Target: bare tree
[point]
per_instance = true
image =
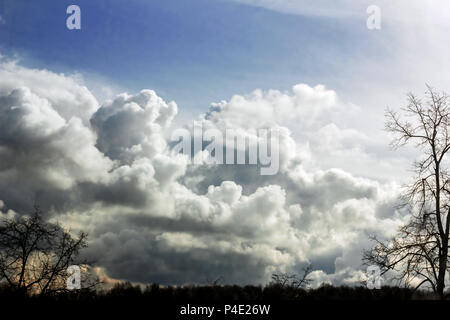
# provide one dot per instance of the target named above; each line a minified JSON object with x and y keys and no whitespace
{"x":35,"y":255}
{"x":419,"y":252}
{"x":293,"y":280}
{"x":216,"y":282}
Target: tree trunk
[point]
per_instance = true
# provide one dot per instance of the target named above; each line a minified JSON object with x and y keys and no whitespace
{"x":442,"y":270}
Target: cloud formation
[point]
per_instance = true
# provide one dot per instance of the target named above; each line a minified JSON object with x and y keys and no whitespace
{"x":152,"y":216}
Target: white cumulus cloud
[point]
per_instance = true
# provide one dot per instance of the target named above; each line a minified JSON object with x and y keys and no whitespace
{"x":153,"y":216}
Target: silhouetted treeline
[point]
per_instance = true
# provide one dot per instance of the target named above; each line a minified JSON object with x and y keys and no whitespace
{"x":126,"y":292}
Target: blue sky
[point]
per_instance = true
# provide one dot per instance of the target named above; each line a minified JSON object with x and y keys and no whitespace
{"x":194,"y":52}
